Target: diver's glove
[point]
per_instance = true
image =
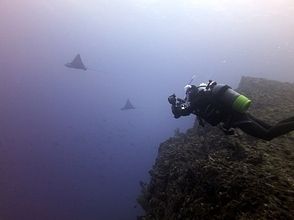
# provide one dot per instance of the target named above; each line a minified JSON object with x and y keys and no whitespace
{"x":172,"y":99}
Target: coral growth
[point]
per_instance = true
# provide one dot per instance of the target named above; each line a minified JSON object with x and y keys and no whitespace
{"x":204,"y":174}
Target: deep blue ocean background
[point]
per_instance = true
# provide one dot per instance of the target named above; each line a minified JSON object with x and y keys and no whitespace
{"x":67,"y":151}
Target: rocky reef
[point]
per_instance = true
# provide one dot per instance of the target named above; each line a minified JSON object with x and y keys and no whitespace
{"x":204,"y":174}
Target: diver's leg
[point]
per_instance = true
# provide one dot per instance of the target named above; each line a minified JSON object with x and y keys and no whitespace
{"x":254,"y":129}
{"x":257,"y":128}
{"x":262,"y":123}
{"x":287,"y":120}
{"x":280,"y":129}
{"x":250,"y":125}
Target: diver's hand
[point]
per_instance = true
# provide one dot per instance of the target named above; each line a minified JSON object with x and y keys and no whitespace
{"x":172,"y":99}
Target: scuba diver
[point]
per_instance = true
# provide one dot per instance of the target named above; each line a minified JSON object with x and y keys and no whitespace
{"x":219,"y":105}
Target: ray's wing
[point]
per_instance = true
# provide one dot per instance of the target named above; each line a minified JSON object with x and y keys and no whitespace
{"x":77,"y":63}
{"x":128,"y":105}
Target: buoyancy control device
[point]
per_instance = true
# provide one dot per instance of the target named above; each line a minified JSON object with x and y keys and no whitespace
{"x":229,"y":97}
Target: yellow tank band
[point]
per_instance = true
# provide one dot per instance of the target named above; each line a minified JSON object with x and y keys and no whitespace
{"x":241,"y":104}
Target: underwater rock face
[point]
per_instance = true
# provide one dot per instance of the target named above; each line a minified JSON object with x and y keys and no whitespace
{"x":204,"y":174}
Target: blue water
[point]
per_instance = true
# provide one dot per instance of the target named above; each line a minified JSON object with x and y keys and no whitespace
{"x":67,"y":151}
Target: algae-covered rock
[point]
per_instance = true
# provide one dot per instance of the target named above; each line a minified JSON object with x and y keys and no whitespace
{"x":205,"y":174}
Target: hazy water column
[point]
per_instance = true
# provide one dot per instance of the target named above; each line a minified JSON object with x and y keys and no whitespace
{"x":67,"y":151}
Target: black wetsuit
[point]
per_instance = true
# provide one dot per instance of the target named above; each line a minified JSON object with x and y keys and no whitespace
{"x":206,"y":107}
{"x":257,"y":128}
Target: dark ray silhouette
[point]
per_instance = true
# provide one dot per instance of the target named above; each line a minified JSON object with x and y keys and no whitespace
{"x":77,"y":63}
{"x":128,"y":106}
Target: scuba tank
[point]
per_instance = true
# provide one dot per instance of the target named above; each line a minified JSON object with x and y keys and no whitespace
{"x":230,"y":97}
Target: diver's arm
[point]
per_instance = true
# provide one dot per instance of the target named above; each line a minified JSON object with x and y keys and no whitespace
{"x":180,"y":110}
{"x":180,"y":101}
{"x":179,"y":107}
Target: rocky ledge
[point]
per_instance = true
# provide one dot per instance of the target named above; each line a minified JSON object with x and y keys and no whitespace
{"x":204,"y":174}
